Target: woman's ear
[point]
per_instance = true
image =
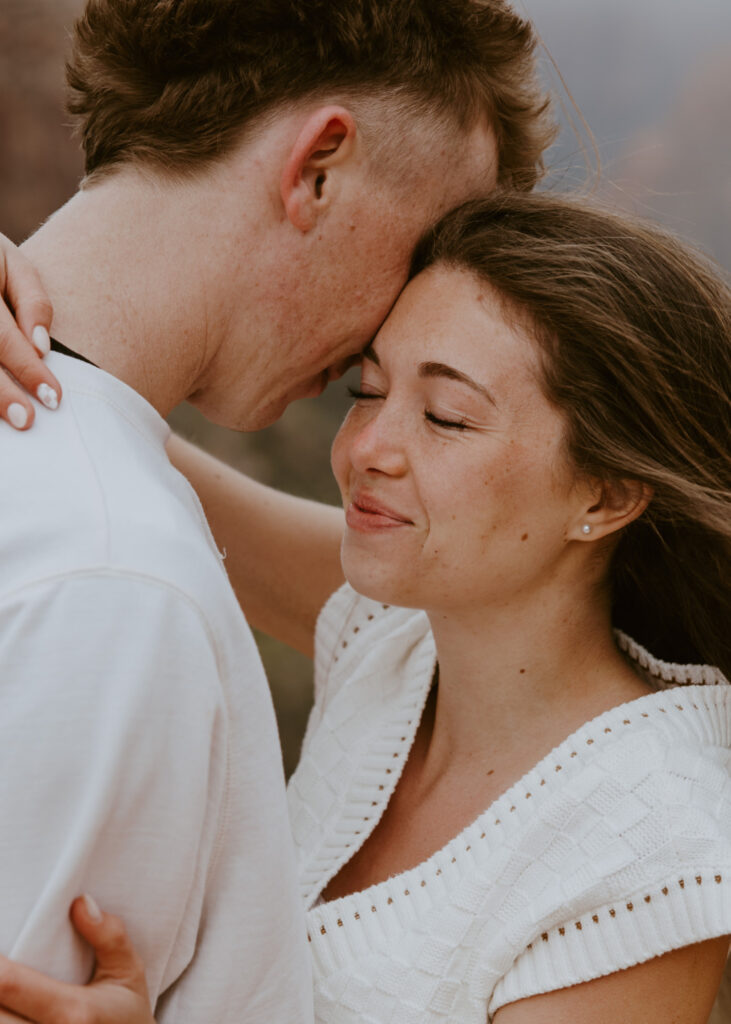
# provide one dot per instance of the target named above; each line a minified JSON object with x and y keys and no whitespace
{"x":325,"y":141}
{"x":615,"y":504}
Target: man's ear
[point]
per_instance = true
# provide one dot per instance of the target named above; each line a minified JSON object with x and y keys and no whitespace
{"x":615,"y":505}
{"x":325,"y":141}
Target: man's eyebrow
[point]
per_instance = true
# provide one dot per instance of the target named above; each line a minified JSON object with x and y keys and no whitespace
{"x":442,"y":370}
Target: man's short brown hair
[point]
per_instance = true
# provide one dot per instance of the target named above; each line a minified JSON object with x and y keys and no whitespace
{"x":176,"y":83}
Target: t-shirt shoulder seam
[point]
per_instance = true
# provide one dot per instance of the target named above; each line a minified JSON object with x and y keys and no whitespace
{"x":105,"y":399}
{"x":95,"y":473}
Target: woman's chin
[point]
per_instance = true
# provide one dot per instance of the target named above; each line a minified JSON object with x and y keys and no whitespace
{"x":384,"y":585}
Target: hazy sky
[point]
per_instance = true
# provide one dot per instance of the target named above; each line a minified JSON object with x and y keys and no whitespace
{"x":626,"y":60}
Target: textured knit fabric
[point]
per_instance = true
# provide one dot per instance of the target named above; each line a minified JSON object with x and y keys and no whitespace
{"x":138,"y":748}
{"x":613,"y":849}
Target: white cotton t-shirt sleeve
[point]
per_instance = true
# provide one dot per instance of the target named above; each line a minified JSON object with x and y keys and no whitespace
{"x":113,"y":768}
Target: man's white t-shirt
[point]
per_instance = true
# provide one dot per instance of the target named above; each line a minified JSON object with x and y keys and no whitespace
{"x":139,"y":757}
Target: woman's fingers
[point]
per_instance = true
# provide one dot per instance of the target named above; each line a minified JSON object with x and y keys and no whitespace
{"x":117,"y":994}
{"x":22,"y":343}
{"x":116,"y":957}
{"x":30,"y":994}
{"x":31,"y":377}
{"x":23,"y":289}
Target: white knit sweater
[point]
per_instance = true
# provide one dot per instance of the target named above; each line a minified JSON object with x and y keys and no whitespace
{"x":615,"y":848}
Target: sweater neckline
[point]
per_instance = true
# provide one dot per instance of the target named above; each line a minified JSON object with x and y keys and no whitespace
{"x":397,"y":900}
{"x":438,"y":874}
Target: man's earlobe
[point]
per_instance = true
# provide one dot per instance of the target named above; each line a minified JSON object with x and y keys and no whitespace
{"x":325,"y":141}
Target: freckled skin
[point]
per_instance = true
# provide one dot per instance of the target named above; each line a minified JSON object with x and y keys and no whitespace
{"x":327,"y":290}
{"x":473,"y":495}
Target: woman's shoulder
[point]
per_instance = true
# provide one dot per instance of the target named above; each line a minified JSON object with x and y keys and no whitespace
{"x":672,"y":739}
{"x":631,"y":843}
{"x":661,"y":759}
{"x":678,"y":733}
{"x":653,"y":775}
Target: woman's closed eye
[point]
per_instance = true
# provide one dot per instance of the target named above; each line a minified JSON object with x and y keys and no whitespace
{"x":447,"y":424}
{"x":431,"y":417}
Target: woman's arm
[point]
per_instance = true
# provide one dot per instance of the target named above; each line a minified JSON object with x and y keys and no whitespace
{"x":677,"y":988}
{"x":282,"y":552}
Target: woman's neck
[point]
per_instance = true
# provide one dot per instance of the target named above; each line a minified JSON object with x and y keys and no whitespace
{"x":522,"y":678}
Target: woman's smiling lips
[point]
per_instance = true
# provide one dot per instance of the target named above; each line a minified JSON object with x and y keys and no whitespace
{"x":367,"y":515}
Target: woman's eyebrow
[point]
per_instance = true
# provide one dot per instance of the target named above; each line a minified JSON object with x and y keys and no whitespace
{"x":442,"y":370}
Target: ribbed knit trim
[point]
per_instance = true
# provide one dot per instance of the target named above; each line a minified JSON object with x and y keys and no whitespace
{"x":353,"y":924}
{"x":676,"y":912}
{"x":381,"y":762}
{"x":667,"y":673}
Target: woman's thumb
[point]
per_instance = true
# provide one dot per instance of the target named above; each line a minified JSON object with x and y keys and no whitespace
{"x":116,"y":958}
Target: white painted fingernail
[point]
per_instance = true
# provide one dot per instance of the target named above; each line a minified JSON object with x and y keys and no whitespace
{"x":41,"y":339}
{"x":47,"y":396}
{"x":18,"y":415}
{"x":92,"y":907}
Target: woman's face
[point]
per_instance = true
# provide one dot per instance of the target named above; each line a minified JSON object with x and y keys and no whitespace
{"x":451,"y":466}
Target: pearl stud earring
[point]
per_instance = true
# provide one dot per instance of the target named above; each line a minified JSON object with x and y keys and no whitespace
{"x":586,"y":529}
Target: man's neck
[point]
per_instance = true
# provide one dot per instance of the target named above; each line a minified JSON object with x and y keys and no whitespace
{"x":130,"y":277}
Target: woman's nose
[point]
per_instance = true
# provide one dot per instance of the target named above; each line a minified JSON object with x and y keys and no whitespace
{"x":378,"y":445}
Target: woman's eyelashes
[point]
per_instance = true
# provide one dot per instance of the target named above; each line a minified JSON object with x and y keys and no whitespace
{"x":429,"y":416}
{"x":447,"y":424}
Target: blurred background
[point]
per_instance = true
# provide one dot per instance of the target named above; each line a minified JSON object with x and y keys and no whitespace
{"x":652,"y":79}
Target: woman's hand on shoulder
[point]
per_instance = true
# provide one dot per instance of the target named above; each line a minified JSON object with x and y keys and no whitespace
{"x":678,"y":987}
{"x":25,"y":320}
{"x":117,"y":993}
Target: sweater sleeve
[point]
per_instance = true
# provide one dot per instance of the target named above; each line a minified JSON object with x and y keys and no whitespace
{"x":635,"y":858}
